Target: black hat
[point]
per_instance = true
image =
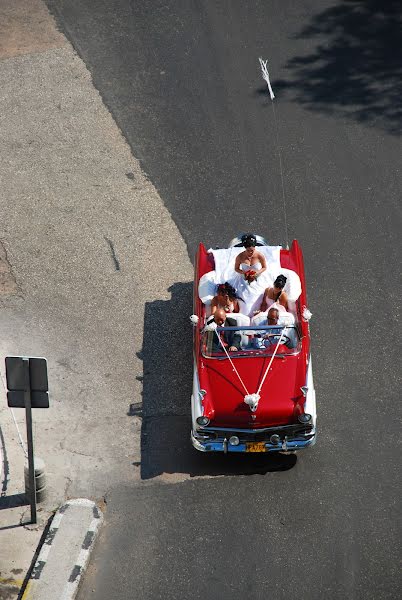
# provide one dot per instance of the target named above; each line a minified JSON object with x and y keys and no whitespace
{"x":248,"y":240}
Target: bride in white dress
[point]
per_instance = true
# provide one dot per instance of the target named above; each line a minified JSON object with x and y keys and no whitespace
{"x":249,"y":265}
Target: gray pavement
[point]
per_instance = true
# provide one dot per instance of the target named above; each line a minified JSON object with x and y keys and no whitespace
{"x":82,"y":232}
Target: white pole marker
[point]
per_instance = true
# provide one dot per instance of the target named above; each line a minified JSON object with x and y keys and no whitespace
{"x":265,"y":76}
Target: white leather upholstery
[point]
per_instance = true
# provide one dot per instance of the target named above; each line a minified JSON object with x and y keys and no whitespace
{"x":207,"y":284}
{"x":293,"y":283}
{"x":207,"y":287}
{"x":242,"y":320}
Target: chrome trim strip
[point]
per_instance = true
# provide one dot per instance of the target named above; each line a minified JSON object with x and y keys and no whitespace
{"x":220,"y":446}
{"x":271,"y":430}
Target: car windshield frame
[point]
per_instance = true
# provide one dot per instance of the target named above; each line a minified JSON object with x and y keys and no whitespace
{"x":253,"y":350}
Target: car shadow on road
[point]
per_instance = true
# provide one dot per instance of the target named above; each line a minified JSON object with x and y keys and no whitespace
{"x":167,"y":356}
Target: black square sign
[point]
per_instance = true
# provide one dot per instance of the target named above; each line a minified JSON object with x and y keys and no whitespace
{"x":17,"y":385}
{"x":16,"y":376}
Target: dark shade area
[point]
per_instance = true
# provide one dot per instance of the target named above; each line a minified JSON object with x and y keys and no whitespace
{"x":12,"y":501}
{"x":355,"y":68}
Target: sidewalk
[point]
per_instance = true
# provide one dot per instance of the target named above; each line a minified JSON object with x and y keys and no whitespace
{"x":18,"y":542}
{"x":78,"y":220}
{"x":26,"y":32}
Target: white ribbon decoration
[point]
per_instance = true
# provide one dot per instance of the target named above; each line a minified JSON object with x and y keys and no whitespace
{"x":250,"y":399}
{"x":272,"y":358}
{"x":212,"y":327}
{"x":265,"y":76}
{"x":253,"y":399}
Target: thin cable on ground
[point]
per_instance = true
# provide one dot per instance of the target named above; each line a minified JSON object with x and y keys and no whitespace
{"x":282,"y":180}
{"x":19,"y":434}
{"x":265,"y":76}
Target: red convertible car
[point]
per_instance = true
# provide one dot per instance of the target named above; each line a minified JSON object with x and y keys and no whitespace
{"x":255,"y":393}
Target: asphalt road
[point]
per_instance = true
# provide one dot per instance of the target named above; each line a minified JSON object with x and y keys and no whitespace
{"x":182,"y":80}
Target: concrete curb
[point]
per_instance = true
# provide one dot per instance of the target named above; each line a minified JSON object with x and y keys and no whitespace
{"x":64,"y":555}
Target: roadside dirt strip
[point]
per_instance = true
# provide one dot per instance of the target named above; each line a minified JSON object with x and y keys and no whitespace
{"x":85,"y":244}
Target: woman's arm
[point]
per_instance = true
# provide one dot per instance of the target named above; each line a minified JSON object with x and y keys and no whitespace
{"x":238,"y":260}
{"x":263,"y":262}
{"x":264,"y":304}
{"x":283,"y":300}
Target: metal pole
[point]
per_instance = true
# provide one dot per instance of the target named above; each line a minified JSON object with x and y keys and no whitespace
{"x":28,"y":417}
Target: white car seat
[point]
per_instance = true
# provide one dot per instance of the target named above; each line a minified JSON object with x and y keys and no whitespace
{"x":242,"y":321}
{"x":208,"y":282}
{"x":292,"y":285}
{"x":207,"y":287}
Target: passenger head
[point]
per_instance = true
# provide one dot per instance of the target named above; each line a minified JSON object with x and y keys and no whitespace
{"x":227,"y":291}
{"x":222,"y":290}
{"x":273,"y":316}
{"x":280,"y":282}
{"x":249,"y":241}
{"x":220,"y":317}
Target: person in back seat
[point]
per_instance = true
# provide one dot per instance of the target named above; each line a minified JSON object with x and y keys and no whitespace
{"x":250,"y":263}
{"x":225,"y":298}
{"x":275,"y":294}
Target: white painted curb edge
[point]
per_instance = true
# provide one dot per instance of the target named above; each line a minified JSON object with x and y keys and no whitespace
{"x":70,"y":589}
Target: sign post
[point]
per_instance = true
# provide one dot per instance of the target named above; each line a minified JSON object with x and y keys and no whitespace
{"x":27,"y":387}
{"x":28,"y":418}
